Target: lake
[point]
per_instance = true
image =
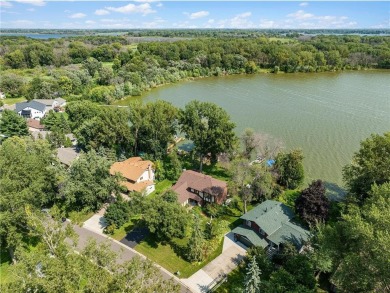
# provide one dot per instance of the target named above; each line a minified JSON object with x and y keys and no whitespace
{"x":324,"y":114}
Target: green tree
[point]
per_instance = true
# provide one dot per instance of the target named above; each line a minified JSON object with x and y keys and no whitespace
{"x":15,"y":59}
{"x":109,"y":129}
{"x":209,"y":127}
{"x":12,"y":84}
{"x":358,"y":246}
{"x":290,"y":169}
{"x":29,"y":175}
{"x":89,"y":183}
{"x":166,"y":220}
{"x":11,"y":124}
{"x":105,"y":75}
{"x":312,"y":205}
{"x":252,"y":281}
{"x":370,"y":165}
{"x":169,"y":196}
{"x":195,"y":246}
{"x":78,"y":52}
{"x":172,"y":166}
{"x":80,"y":111}
{"x":117,"y":213}
{"x":92,"y":66}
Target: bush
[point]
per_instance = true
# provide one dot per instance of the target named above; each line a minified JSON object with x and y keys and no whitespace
{"x":118,"y":213}
{"x":213,"y":210}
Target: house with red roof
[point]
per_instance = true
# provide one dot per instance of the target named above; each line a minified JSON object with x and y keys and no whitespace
{"x":195,"y":188}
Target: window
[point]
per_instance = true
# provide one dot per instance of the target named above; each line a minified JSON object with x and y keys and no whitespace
{"x":141,"y":178}
{"x":192,"y":190}
{"x":249,"y":223}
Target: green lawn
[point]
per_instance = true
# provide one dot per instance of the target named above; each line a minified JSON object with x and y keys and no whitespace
{"x":79,"y":217}
{"x":11,"y":101}
{"x":161,"y":187}
{"x":235,"y":280}
{"x":5,"y":264}
{"x":164,"y":255}
{"x":120,"y":233}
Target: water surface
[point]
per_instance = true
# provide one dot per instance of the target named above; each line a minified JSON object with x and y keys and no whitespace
{"x":324,"y":114}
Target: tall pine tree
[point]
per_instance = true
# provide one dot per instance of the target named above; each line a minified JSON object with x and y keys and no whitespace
{"x":252,"y":279}
{"x":196,"y":243}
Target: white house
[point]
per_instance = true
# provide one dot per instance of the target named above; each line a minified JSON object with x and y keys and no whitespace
{"x":31,"y":109}
{"x":52,"y":104}
{"x":139,"y":174}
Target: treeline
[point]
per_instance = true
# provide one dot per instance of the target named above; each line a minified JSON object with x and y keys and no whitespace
{"x":105,"y":69}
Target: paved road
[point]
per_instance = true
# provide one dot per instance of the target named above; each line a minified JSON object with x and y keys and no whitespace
{"x":124,"y":253}
{"x":134,"y":237}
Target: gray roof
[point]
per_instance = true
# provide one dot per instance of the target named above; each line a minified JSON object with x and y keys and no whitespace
{"x":269,"y":215}
{"x":67,"y":155}
{"x":274,"y":218}
{"x":46,"y":102}
{"x":39,"y":134}
{"x":60,"y":101}
{"x":291,"y":232}
{"x":251,"y":235}
{"x":32,"y":104}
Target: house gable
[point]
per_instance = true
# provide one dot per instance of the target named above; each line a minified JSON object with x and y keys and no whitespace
{"x":199,"y":187}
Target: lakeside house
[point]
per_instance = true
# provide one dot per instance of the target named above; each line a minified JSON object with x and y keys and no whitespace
{"x":269,"y":225}
{"x":195,"y":188}
{"x":139,"y":174}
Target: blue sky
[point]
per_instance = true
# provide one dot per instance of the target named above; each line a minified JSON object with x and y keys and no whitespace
{"x":193,"y":14}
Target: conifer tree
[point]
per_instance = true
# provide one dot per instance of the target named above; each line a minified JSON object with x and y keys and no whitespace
{"x":252,"y":279}
{"x":196,"y":242}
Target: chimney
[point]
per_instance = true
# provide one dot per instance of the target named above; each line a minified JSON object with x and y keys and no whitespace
{"x":150,"y":172}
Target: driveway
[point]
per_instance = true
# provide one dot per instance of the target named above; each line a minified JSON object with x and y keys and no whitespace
{"x":96,"y":223}
{"x":124,"y":252}
{"x":232,"y":254}
{"x":135,"y":236}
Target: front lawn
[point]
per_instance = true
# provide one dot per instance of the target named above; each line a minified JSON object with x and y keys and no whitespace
{"x":120,"y":233}
{"x":79,"y":217}
{"x":11,"y":101}
{"x":164,"y":255}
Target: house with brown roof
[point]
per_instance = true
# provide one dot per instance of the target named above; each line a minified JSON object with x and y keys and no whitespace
{"x":34,"y":125}
{"x":138,"y":174}
{"x":197,"y":188}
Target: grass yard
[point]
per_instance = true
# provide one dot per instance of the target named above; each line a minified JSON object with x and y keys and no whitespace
{"x":164,"y":255}
{"x":161,"y":187}
{"x":11,"y":101}
{"x":120,"y":233}
{"x":5,"y":264}
{"x":235,"y":280}
{"x":80,"y":217}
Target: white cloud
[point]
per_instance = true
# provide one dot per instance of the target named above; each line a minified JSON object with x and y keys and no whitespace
{"x":199,"y":14}
{"x":159,"y":4}
{"x":102,"y":12}
{"x":90,"y":22}
{"x":5,"y":4}
{"x":67,"y":11}
{"x":300,"y":14}
{"x":303,"y":4}
{"x":143,"y":9}
{"x":77,"y":15}
{"x":32,"y":2}
{"x":21,"y":23}
{"x":146,"y":1}
{"x":239,"y":21}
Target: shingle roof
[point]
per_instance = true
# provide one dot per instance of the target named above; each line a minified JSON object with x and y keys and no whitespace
{"x":46,"y":102}
{"x":137,"y":186}
{"x":197,"y":181}
{"x":33,"y":123}
{"x":269,"y":215}
{"x":274,"y":218}
{"x":131,"y":168}
{"x":252,"y":236}
{"x":67,"y":155}
{"x":291,"y":232}
{"x":32,"y":104}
